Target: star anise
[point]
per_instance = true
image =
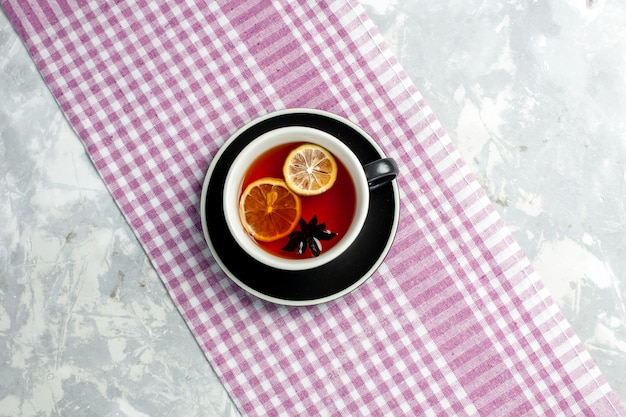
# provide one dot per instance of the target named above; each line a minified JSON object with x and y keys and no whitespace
{"x":310,"y":235}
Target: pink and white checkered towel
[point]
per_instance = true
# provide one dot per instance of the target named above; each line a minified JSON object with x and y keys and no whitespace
{"x":453,"y":322}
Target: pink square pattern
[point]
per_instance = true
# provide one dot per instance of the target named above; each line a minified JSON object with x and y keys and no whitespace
{"x":454,"y":322}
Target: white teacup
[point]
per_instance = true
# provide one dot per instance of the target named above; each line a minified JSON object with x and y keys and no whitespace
{"x":363,"y":177}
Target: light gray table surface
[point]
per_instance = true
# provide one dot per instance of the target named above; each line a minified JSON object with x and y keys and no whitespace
{"x":532,"y":92}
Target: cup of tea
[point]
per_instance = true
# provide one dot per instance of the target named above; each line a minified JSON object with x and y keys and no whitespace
{"x":296,"y":197}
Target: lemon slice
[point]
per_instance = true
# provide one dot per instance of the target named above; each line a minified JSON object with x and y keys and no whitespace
{"x":310,"y":170}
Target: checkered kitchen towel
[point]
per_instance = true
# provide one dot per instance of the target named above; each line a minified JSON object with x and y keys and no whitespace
{"x":454,"y":321}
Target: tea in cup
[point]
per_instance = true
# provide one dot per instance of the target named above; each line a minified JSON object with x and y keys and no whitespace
{"x":296,"y":198}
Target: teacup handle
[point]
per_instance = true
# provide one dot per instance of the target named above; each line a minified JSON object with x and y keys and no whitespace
{"x":380,"y":172}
